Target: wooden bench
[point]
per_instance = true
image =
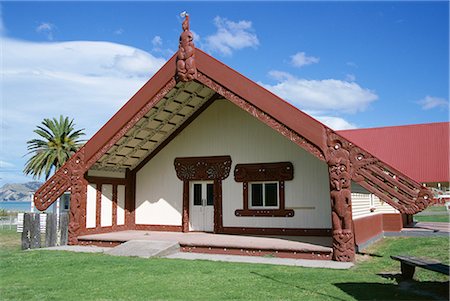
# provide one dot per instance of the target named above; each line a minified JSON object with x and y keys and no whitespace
{"x":409,"y":264}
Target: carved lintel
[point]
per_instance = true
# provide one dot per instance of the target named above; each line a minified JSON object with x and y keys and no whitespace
{"x":203,"y":168}
{"x":281,"y":171}
{"x":186,"y":69}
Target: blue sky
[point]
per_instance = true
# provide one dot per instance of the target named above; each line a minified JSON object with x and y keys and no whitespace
{"x":348,"y":64}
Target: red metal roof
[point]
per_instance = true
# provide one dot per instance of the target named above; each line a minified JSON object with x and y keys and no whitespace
{"x":421,"y":151}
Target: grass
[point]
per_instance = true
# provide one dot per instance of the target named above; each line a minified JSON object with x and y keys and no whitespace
{"x":57,"y":275}
{"x":433,"y":218}
{"x":433,"y":214}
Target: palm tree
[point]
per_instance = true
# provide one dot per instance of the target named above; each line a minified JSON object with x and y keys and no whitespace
{"x":60,"y":141}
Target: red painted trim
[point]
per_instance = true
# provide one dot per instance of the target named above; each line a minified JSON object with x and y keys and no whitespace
{"x":218,"y":215}
{"x":114,"y":206}
{"x":116,"y":228}
{"x":257,"y":252}
{"x":98,"y":205}
{"x":130,"y":198}
{"x":392,"y":222}
{"x":277,"y":231}
{"x":368,"y":227}
{"x":185,"y":217}
{"x":169,"y":228}
{"x":265,"y":212}
{"x":105,"y":180}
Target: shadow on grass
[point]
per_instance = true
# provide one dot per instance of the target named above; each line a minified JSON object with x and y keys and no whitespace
{"x":404,"y":290}
{"x":296,"y":286}
{"x":369,"y":254}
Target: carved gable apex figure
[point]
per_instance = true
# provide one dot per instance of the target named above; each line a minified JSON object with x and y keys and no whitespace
{"x":186,"y":69}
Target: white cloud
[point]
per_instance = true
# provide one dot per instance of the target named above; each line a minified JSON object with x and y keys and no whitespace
{"x":157,"y":41}
{"x":231,"y":36}
{"x":430,"y":102}
{"x":336,"y":123}
{"x":46,"y":29}
{"x":137,"y":63}
{"x":4,"y":164}
{"x":350,"y":77}
{"x":87,"y":81}
{"x":300,"y":59}
{"x":119,"y":31}
{"x":321,"y":95}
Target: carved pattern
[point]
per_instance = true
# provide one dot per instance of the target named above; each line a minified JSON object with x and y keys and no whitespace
{"x":186,"y":69}
{"x":282,"y":171}
{"x":203,"y":168}
{"x":389,"y":185}
{"x":343,"y":246}
{"x":339,"y":168}
{"x":77,"y":195}
{"x":263,"y":117}
{"x":169,"y":86}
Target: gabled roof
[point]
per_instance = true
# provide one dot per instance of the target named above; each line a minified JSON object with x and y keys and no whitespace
{"x":165,"y":105}
{"x":420,"y":151}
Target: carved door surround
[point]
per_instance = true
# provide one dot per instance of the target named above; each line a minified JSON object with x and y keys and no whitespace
{"x":216,"y":168}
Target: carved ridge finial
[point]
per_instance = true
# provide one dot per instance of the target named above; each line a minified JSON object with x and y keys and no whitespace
{"x":186,"y":69}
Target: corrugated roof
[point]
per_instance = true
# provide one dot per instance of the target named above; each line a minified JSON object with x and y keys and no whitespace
{"x":420,"y":151}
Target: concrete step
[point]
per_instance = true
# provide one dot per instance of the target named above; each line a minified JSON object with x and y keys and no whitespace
{"x":145,"y":248}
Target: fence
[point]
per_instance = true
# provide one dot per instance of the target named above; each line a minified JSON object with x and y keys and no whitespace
{"x":8,"y":222}
{"x":54,"y":230}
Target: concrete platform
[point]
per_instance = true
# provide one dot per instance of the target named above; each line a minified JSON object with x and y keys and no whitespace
{"x":200,"y":242}
{"x":145,"y":248}
{"x":327,"y":264}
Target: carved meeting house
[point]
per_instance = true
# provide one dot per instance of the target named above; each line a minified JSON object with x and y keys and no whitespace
{"x":202,"y":148}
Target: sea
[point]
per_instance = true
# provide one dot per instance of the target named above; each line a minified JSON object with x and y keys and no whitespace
{"x":20,"y":206}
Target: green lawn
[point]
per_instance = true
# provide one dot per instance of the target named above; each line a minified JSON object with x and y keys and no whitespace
{"x":432,"y":218}
{"x":436,"y":214}
{"x":56,"y":275}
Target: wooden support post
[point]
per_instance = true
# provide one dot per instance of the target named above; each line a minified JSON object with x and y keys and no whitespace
{"x":26,"y":231}
{"x":35,"y":231}
{"x":51,"y":230}
{"x":64,"y":228}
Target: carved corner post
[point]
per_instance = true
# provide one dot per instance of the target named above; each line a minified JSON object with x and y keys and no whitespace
{"x":339,"y":169}
{"x":186,"y":69}
{"x":78,"y":189}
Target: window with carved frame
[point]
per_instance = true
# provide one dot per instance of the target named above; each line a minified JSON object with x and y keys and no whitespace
{"x":263,"y":188}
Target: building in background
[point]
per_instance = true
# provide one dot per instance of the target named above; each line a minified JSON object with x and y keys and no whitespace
{"x":420,"y":151}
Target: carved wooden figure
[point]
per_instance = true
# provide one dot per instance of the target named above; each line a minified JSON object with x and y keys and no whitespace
{"x":186,"y":69}
{"x":340,"y":170}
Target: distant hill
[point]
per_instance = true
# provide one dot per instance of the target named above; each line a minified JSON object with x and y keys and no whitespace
{"x":18,"y":191}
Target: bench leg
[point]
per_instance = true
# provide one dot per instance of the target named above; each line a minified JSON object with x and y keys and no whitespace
{"x":407,"y":270}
